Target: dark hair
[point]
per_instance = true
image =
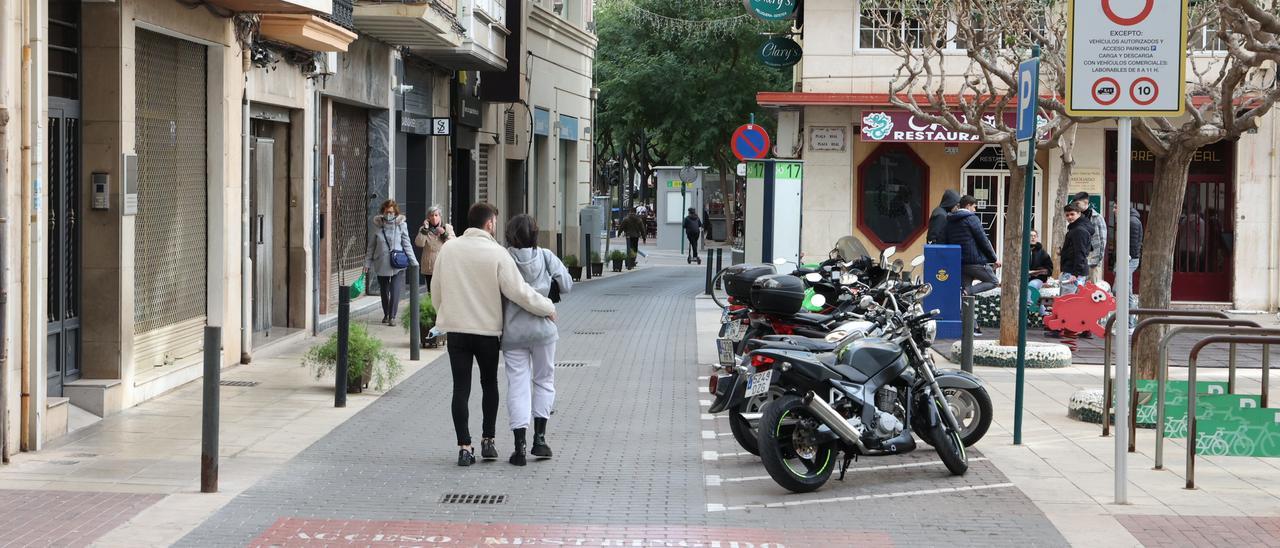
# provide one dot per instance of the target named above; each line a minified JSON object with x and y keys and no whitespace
{"x":480,"y":213}
{"x":389,"y":204}
{"x":1071,"y":207}
{"x":1080,"y":196}
{"x":522,"y":232}
{"x":693,"y":211}
{"x":966,"y":201}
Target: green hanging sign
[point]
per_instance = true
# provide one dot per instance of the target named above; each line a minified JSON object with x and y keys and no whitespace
{"x":780,"y":52}
{"x":771,"y":10}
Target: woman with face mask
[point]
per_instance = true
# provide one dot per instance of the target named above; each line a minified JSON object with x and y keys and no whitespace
{"x":390,"y":252}
{"x":431,"y":237}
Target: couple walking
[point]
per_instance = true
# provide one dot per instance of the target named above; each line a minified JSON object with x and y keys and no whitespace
{"x":490,"y":299}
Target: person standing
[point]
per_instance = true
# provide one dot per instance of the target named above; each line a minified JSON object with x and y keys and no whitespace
{"x":1041,"y":266}
{"x":633,"y":228}
{"x":693,"y":229}
{"x":977,"y":256}
{"x":431,"y":237}
{"x":1097,"y":235}
{"x":938,"y":218}
{"x":389,"y":253}
{"x":1075,"y":252}
{"x":1135,"y":254}
{"x":472,"y":275}
{"x":529,"y":340}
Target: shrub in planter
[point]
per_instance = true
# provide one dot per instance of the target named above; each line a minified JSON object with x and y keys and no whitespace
{"x":426,"y":321}
{"x":631,"y":260}
{"x":616,"y":257}
{"x":597,"y":264}
{"x":367,"y":360}
{"x":575,"y":268}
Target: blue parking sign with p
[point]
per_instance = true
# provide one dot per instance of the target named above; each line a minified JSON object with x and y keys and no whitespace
{"x":1028,"y":90}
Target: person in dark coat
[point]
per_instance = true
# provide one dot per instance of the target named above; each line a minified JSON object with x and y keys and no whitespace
{"x":633,"y":227}
{"x":1075,"y":254}
{"x":1135,"y":253}
{"x":976,"y":253}
{"x":692,"y":230}
{"x":938,"y":218}
{"x":1041,"y":266}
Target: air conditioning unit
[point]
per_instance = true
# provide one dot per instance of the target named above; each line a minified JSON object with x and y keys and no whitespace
{"x":328,"y":64}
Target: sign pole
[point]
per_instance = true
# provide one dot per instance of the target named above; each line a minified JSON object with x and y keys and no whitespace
{"x":1028,"y":100}
{"x":1122,"y":289}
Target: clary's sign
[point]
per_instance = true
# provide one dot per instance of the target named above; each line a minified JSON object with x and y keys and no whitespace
{"x":900,"y":126}
{"x":780,"y":52}
{"x":771,"y":10}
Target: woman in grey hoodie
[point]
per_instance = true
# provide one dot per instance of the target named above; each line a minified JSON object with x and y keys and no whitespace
{"x":529,"y":341}
{"x":390,"y":234}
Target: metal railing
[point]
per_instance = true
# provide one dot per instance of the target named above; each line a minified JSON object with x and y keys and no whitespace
{"x":343,"y":14}
{"x":1266,"y":341}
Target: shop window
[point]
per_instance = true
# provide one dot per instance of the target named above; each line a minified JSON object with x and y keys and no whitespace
{"x":893,"y":184}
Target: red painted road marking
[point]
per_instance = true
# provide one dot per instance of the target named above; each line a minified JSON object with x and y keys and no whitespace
{"x":65,"y":518}
{"x":1127,"y":21}
{"x":288,"y":532}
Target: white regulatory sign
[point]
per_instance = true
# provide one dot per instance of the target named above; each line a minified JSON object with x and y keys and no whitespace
{"x":1127,"y":57}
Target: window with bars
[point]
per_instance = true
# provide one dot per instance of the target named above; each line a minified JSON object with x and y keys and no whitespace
{"x":885,"y":28}
{"x":482,"y":174}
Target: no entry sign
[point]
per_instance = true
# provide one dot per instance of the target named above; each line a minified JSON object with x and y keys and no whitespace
{"x":750,"y":142}
{"x":1127,"y":57}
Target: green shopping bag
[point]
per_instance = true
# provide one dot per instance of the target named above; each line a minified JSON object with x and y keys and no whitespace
{"x":357,"y":288}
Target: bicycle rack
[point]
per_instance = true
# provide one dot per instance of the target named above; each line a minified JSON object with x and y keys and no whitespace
{"x":1266,"y":341}
{"x":1106,"y":350}
{"x":1221,"y":327}
{"x":1133,"y":364}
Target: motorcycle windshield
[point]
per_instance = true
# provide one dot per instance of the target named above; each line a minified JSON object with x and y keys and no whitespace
{"x":850,"y":249}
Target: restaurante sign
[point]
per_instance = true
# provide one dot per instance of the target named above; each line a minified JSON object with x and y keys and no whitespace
{"x":900,"y":126}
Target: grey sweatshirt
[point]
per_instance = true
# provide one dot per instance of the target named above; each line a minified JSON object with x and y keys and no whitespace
{"x":520,"y":329}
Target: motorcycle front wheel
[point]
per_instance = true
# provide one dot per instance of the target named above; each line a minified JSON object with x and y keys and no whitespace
{"x":748,"y":435}
{"x":972,"y":409}
{"x":949,"y":445}
{"x":789,"y":448}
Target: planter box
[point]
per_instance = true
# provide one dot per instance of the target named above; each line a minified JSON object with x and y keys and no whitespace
{"x":597,"y":269}
{"x":617,"y":265}
{"x":631,"y":264}
{"x":575,"y":272}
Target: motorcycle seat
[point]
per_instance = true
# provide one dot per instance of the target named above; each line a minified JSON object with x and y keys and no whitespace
{"x":812,"y":318}
{"x":805,"y":343}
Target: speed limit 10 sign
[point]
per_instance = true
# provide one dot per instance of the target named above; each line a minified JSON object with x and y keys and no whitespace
{"x":1127,"y":57}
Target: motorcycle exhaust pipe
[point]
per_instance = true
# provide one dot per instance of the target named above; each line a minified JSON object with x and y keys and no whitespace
{"x":832,"y":418}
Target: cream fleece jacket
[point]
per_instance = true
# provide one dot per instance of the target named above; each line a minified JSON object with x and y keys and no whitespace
{"x":472,"y":275}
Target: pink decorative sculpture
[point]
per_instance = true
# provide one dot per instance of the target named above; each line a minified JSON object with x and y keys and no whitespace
{"x":1081,"y":311}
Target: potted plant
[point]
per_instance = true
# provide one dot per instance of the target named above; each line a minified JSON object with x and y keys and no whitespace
{"x":617,"y":257}
{"x":597,"y":264}
{"x":426,"y":322}
{"x":575,"y":269}
{"x":367,"y":360}
{"x":631,"y":260}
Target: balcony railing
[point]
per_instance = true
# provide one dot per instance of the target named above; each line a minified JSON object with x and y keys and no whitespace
{"x":342,"y":14}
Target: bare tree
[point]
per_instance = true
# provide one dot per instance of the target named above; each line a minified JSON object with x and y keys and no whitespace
{"x":958,"y":63}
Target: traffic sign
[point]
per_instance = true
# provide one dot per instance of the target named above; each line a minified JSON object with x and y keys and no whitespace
{"x":1126,"y":58}
{"x":750,"y":142}
{"x":1028,"y":90}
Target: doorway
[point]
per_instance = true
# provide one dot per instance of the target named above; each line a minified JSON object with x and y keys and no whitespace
{"x":986,"y":178}
{"x":568,"y":194}
{"x":269,"y":225}
{"x":63,"y":240}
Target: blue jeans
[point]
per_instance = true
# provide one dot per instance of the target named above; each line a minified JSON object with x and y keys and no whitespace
{"x":1133,"y":297}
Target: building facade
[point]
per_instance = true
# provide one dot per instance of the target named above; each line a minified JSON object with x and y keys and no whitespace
{"x":165,"y":169}
{"x":880,"y":184}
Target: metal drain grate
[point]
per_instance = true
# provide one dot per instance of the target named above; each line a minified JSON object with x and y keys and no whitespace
{"x":574,"y":364}
{"x":610,"y":310}
{"x":238,"y":383}
{"x":588,"y":332}
{"x":469,"y":498}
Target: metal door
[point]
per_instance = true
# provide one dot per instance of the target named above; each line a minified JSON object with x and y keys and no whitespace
{"x":350,"y":196}
{"x":263,"y":180}
{"x":63,"y":244}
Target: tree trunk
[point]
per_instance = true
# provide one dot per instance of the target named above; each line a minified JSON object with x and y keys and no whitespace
{"x":1057,"y":223}
{"x":1159,"y":238}
{"x":1011,"y":257}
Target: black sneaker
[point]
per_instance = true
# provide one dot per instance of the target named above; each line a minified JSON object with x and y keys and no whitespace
{"x":517,"y":457}
{"x":487,"y":450}
{"x":466,"y":457}
{"x":540,"y":447}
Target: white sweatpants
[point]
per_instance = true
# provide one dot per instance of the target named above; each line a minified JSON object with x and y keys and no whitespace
{"x":530,"y":368}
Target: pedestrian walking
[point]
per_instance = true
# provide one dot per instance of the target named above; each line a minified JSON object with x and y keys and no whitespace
{"x":706,"y":224}
{"x":529,"y":340}
{"x":1075,"y":252}
{"x":431,"y":237}
{"x":389,"y":253}
{"x":1097,"y":235}
{"x":473,"y":274}
{"x":693,"y":229}
{"x":1041,"y":267}
{"x":1135,"y":254}
{"x":633,"y":227}
{"x":976,"y":253}
{"x":938,"y":218}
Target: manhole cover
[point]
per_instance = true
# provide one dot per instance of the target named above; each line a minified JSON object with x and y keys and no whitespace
{"x":64,"y":462}
{"x":82,"y":455}
{"x":238,"y":383}
{"x":588,"y":332}
{"x":467,"y":498}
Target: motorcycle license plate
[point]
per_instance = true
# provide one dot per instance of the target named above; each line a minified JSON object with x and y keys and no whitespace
{"x":734,"y":331}
{"x":724,"y":347}
{"x":758,"y":383}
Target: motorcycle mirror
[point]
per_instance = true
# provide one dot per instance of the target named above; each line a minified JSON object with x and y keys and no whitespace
{"x":888,"y":252}
{"x":897,"y":265}
{"x":919,"y":260}
{"x":924,"y":291}
{"x":780,"y":261}
{"x":813,"y":277}
{"x":835,"y":254}
{"x":818,"y":301}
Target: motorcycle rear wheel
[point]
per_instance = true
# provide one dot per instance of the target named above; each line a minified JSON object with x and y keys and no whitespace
{"x":787,"y":448}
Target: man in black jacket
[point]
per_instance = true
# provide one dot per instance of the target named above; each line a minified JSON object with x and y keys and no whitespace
{"x":1075,"y":253}
{"x":1041,"y":265}
{"x":938,"y":219}
{"x":1135,"y":253}
{"x":976,"y":253}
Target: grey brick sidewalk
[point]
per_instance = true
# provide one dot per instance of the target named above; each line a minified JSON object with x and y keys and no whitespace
{"x":630,"y":445}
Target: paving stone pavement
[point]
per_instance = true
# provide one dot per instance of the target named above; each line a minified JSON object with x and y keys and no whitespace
{"x":633,"y":460}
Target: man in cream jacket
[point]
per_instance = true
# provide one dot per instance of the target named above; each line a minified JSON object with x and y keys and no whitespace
{"x":472,"y":275}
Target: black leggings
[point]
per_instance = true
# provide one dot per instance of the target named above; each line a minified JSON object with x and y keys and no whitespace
{"x":463,"y":349}
{"x":693,"y":242}
{"x":389,"y":290}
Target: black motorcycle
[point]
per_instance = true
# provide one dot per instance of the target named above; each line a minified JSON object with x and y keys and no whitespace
{"x":869,"y":397}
